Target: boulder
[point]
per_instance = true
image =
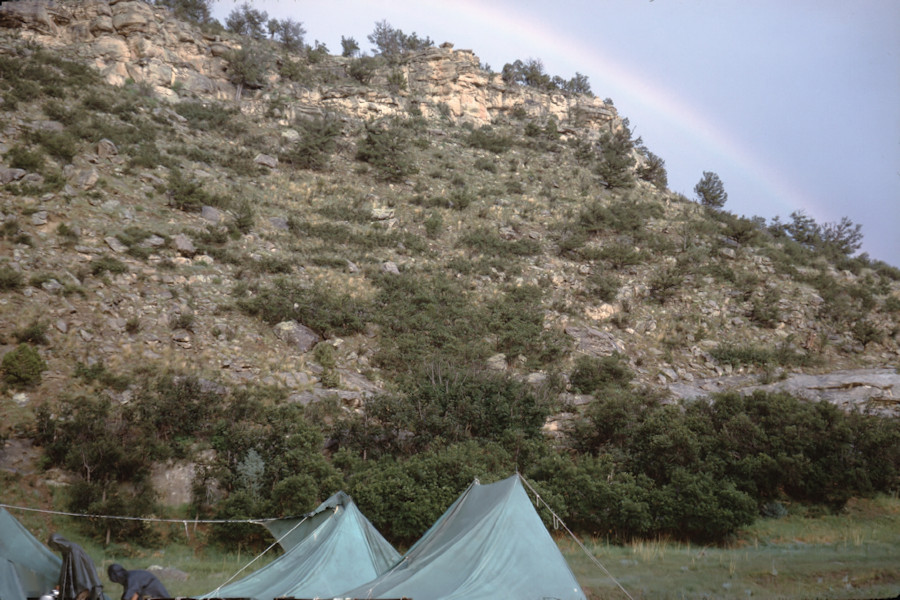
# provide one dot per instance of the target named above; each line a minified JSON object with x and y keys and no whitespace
{"x":28,"y":14}
{"x":106,"y":149}
{"x":115,"y":245}
{"x":8,"y":175}
{"x":212,"y":214}
{"x":132,"y":17}
{"x":184,"y":245}
{"x":298,"y":336}
{"x":266,"y":160}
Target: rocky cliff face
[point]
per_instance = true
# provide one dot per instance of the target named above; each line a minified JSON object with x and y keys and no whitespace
{"x":133,"y":40}
{"x":126,"y":40}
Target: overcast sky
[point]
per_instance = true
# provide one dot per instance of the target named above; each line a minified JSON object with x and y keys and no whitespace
{"x":795,"y":104}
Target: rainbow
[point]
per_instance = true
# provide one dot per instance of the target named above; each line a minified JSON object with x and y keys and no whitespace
{"x":626,"y":83}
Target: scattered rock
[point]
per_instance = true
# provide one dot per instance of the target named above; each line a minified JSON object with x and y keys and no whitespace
{"x":212,"y":214}
{"x":382,"y":214}
{"x":106,"y":149}
{"x":184,"y":245}
{"x":85,"y":177}
{"x":497,"y":362}
{"x":115,"y":245}
{"x":298,"y":336}
{"x":8,"y":175}
{"x":182,"y":338}
{"x":51,"y":286}
{"x":595,"y":342}
{"x":279,"y":223}
{"x":154,"y":241}
{"x":266,"y":160}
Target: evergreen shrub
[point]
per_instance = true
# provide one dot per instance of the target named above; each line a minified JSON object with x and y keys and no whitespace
{"x":22,"y":366}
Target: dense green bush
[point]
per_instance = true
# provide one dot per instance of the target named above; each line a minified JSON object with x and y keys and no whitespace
{"x":403,"y":498}
{"x":316,"y":144}
{"x":764,"y":310}
{"x":593,"y":374}
{"x":97,"y":372}
{"x":602,"y":286}
{"x":616,"y":163}
{"x":324,"y":311}
{"x":653,"y":169}
{"x":247,"y":67}
{"x":664,"y":283}
{"x":20,"y":157}
{"x":486,"y":241}
{"x":621,"y":217}
{"x":363,"y":69}
{"x":107,"y":264}
{"x":702,"y":470}
{"x":208,"y":117}
{"x":269,"y":461}
{"x":516,"y":319}
{"x":738,"y":355}
{"x":23,"y":366}
{"x":485,"y":138}
{"x":385,"y":147}
{"x":10,"y":279}
{"x":427,"y":319}
{"x":111,"y":454}
{"x":710,"y":190}
{"x":391,"y":43}
{"x":33,"y":333}
{"x":188,"y":194}
{"x":341,"y":235}
{"x":441,"y":406}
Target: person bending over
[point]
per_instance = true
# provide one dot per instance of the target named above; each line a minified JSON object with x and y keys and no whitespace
{"x":138,"y":584}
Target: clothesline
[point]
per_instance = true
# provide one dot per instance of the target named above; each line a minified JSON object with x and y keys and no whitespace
{"x":147,"y":519}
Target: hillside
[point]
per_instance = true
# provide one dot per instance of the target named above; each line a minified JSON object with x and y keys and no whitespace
{"x":334,"y":235}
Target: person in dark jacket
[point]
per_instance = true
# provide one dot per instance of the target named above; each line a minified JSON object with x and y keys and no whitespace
{"x":78,"y":578}
{"x":138,"y":584}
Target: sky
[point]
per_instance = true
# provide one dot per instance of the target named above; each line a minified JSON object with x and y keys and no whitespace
{"x":795,"y":104}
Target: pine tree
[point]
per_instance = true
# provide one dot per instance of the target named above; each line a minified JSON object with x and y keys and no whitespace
{"x":710,"y":190}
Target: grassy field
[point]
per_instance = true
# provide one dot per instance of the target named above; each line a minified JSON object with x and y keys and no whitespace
{"x":852,"y":555}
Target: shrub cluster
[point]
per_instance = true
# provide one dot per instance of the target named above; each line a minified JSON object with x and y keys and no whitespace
{"x":385,"y":147}
{"x":316,"y":144}
{"x":702,"y":470}
{"x":485,"y":138}
{"x":22,"y":366}
{"x":324,"y":311}
{"x":432,"y":319}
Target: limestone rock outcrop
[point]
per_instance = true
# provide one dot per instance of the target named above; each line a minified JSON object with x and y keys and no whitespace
{"x":124,"y":41}
{"x":134,"y":41}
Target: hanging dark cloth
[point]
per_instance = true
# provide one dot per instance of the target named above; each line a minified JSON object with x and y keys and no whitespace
{"x":78,"y":578}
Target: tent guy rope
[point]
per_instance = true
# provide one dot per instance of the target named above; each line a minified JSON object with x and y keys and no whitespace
{"x":260,"y":555}
{"x":557,"y":521}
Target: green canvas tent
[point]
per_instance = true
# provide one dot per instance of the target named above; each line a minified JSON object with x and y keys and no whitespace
{"x":329,"y":550}
{"x":489,"y":545}
{"x":28,"y":568}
